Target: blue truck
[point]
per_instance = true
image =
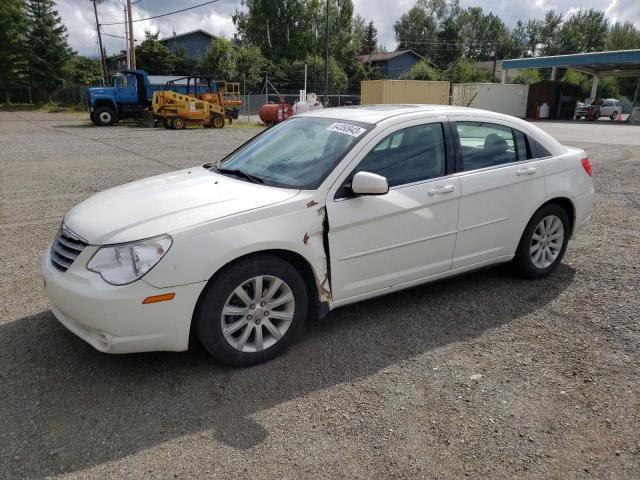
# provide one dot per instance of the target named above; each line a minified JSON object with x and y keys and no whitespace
{"x":129,"y":96}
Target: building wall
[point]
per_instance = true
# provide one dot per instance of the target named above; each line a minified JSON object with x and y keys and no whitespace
{"x":400,"y":64}
{"x":404,"y":91}
{"x":195,"y":44}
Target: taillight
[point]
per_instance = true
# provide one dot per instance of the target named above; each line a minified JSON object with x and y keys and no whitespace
{"x":587,"y":166}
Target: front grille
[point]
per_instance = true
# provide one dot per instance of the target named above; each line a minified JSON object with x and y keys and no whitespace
{"x":65,"y":249}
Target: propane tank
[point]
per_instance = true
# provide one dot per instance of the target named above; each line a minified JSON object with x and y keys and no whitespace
{"x":544,"y":110}
{"x":275,"y":112}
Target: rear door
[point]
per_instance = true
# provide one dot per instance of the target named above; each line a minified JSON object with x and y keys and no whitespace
{"x":502,"y":186}
{"x":378,"y":242}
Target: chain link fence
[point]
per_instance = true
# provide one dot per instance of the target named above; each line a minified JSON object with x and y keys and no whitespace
{"x":72,"y":94}
{"x":251,"y":103}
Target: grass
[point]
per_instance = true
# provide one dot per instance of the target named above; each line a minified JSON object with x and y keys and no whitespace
{"x":245,"y":124}
{"x":49,"y":107}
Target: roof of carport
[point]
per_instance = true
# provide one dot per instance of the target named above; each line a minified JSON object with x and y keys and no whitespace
{"x":615,"y":63}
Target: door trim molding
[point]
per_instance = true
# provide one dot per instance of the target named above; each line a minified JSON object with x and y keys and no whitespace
{"x":397,"y":245}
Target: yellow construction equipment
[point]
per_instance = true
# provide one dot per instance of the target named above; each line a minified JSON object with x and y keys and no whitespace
{"x":206,"y":103}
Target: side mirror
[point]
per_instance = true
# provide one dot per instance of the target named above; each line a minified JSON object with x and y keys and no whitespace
{"x":367,"y":183}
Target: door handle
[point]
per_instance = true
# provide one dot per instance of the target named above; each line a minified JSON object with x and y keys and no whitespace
{"x":526,"y":171}
{"x":443,"y":189}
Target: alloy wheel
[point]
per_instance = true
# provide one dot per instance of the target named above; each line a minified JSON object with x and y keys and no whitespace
{"x":257,"y":313}
{"x":546,"y":241}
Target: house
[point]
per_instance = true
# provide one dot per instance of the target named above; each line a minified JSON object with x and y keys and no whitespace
{"x":194,"y":43}
{"x":392,"y":64}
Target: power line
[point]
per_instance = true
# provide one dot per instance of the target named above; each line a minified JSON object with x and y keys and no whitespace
{"x":165,"y":14}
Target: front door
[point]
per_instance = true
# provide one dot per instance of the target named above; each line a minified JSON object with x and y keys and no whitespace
{"x":378,"y":242}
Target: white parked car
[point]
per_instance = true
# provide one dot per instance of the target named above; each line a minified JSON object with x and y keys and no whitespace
{"x":323,"y":210}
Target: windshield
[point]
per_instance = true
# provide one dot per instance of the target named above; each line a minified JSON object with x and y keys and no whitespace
{"x":297,"y":153}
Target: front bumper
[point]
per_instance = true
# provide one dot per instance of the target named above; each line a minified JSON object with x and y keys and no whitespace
{"x":113,"y":319}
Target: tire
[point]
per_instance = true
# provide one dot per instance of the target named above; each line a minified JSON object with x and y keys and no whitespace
{"x":614,"y":115}
{"x":220,"y":305}
{"x":104,"y":116}
{"x":528,"y":262}
{"x":596,"y":116}
{"x":218,"y":122}
{"x":178,"y":123}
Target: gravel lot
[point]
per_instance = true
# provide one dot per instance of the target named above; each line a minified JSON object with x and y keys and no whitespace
{"x":482,"y":376}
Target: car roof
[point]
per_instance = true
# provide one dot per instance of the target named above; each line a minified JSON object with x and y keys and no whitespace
{"x":376,"y":113}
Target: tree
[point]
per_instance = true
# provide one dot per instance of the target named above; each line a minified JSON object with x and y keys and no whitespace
{"x":416,"y":30}
{"x":519,"y":45}
{"x":370,"y":43}
{"x":623,"y":37}
{"x":584,"y":31}
{"x":12,"y":53}
{"x":463,"y":71}
{"x":545,"y":34}
{"x":251,"y":65}
{"x":183,"y":63}
{"x":279,"y":28}
{"x":153,"y":56}
{"x":83,"y":70}
{"x":221,"y":60}
{"x":527,"y":76}
{"x":421,"y":71}
{"x":48,"y":51}
{"x":482,"y":35}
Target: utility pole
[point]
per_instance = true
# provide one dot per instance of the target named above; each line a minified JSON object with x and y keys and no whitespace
{"x":132,"y":45}
{"x":326,"y":59}
{"x":126,"y":36}
{"x":103,"y":63}
{"x":495,"y":61}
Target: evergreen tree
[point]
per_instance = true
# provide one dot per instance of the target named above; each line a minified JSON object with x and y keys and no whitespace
{"x":12,"y":44}
{"x":47,"y":49}
{"x":370,"y":43}
{"x":154,"y":57}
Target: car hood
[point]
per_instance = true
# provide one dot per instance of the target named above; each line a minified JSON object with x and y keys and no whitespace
{"x":166,"y":203}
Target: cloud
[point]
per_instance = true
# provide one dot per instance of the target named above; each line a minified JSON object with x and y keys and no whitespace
{"x":216,"y":18}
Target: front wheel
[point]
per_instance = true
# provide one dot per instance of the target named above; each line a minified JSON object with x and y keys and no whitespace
{"x":104,"y":116}
{"x":543,"y":242}
{"x":252,"y":311}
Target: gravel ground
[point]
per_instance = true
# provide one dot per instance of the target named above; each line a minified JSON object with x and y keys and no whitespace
{"x":482,"y":376}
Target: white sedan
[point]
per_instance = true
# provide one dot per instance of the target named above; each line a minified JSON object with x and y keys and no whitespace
{"x":323,"y":210}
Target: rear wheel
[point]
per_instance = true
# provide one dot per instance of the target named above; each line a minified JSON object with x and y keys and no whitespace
{"x":543,"y":242}
{"x":178,"y":123}
{"x":104,"y":116}
{"x":614,"y":115}
{"x":252,"y":312}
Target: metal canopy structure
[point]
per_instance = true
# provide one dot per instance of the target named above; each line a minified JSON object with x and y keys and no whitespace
{"x":619,"y":63}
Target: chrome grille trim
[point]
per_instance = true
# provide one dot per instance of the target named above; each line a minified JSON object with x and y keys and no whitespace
{"x":66,"y":248}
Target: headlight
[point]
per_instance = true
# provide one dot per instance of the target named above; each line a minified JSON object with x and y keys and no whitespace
{"x":127,"y":262}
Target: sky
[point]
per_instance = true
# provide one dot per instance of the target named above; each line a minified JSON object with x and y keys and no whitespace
{"x":216,"y":18}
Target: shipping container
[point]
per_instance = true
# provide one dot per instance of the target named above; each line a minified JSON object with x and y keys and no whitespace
{"x":404,"y":91}
{"x":508,"y":98}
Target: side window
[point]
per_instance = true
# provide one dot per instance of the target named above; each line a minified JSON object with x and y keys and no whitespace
{"x":408,"y":155}
{"x":485,"y":145}
{"x":522,"y":147}
{"x":540,"y":149}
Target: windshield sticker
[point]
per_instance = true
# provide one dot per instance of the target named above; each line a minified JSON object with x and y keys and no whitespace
{"x":353,"y":130}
